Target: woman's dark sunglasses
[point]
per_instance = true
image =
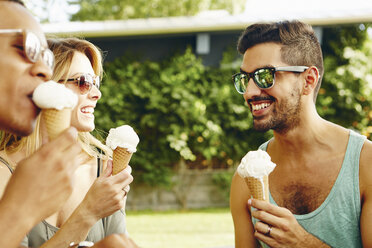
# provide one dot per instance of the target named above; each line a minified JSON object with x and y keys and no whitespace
{"x":264,"y":78}
{"x":32,"y":46}
{"x":85,"y":82}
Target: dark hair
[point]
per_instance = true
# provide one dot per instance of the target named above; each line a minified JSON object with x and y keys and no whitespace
{"x":15,"y":1}
{"x":299,"y":43}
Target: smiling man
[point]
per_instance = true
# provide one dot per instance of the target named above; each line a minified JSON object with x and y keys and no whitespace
{"x":320,"y":193}
{"x":26,"y":62}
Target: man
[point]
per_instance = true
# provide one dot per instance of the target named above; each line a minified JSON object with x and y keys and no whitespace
{"x":46,"y":174}
{"x":320,"y":190}
{"x":41,"y":183}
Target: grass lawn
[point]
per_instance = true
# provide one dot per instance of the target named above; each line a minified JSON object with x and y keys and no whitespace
{"x":204,"y":228}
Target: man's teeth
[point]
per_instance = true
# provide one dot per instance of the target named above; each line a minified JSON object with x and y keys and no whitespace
{"x":260,"y":106}
{"x":87,"y":110}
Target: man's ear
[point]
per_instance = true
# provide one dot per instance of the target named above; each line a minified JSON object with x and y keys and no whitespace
{"x":311,"y":80}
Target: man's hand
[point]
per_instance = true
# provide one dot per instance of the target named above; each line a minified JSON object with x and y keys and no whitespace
{"x":41,"y":183}
{"x":279,"y":228}
{"x":116,"y":241}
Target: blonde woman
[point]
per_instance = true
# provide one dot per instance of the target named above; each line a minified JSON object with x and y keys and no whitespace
{"x":95,"y":208}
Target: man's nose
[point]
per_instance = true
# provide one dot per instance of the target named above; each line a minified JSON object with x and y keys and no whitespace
{"x":40,"y":69}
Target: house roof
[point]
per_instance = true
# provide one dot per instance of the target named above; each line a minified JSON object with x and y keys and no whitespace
{"x":316,"y":13}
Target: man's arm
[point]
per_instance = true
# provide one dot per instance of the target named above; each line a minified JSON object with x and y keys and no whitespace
{"x":365,"y":183}
{"x":39,"y":187}
{"x":244,"y":231}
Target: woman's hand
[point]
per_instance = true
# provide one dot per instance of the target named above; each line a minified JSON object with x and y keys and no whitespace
{"x":107,"y":194}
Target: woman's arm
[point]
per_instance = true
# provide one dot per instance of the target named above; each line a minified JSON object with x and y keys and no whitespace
{"x":116,"y":241}
{"x":103,"y":199}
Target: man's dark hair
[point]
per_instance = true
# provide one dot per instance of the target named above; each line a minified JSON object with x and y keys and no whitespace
{"x":299,"y":43}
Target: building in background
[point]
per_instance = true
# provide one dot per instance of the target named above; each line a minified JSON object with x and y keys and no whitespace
{"x":208,"y":33}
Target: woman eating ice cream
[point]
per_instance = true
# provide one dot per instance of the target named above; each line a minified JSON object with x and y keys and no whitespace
{"x":96,"y":207}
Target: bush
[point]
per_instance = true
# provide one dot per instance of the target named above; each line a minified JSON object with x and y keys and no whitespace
{"x":345,"y":97}
{"x":180,"y":109}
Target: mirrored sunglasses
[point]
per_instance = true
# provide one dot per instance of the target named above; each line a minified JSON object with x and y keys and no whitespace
{"x":264,"y":78}
{"x":85,"y":82}
{"x":32,"y":46}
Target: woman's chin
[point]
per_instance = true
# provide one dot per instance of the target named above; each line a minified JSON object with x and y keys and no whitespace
{"x":85,"y":128}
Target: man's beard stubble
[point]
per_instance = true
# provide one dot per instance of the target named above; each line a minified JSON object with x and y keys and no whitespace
{"x":284,"y":117}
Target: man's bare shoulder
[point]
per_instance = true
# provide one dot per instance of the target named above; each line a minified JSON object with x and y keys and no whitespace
{"x":238,"y":185}
{"x":239,"y":194}
{"x":365,"y":170}
{"x":366,"y":154}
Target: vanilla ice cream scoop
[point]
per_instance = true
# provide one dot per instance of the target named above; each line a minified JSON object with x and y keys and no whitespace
{"x":256,"y":164}
{"x":255,"y":168}
{"x":52,"y":95}
{"x":124,"y":137}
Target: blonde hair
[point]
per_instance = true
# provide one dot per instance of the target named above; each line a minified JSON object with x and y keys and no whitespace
{"x":64,"y":50}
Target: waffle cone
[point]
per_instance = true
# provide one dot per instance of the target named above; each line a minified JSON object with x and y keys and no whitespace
{"x":258,"y":191}
{"x":121,"y":157}
{"x":56,"y":121}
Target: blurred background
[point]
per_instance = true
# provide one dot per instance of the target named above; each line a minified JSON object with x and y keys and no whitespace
{"x":168,"y":67}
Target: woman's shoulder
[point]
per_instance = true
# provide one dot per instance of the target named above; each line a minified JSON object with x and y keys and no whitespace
{"x":5,"y":173}
{"x":5,"y":163}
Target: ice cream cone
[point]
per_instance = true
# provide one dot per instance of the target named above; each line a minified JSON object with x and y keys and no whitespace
{"x":123,"y":141}
{"x":258,"y":191}
{"x":121,"y":157}
{"x":56,"y":121}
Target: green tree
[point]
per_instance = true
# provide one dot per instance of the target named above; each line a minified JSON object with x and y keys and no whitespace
{"x":347,"y":95}
{"x":129,"y":9}
{"x":182,"y":111}
{"x":343,"y":97}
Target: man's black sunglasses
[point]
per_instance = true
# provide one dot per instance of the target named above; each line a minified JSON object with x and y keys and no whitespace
{"x":264,"y":78}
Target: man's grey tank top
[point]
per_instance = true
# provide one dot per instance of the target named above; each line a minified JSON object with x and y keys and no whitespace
{"x":336,"y":221}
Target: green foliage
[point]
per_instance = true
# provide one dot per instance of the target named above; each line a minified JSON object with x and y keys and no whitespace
{"x":345,"y":97}
{"x":336,"y":38}
{"x":180,"y":109}
{"x":183,"y":110}
{"x":223,"y":181}
{"x":129,"y":9}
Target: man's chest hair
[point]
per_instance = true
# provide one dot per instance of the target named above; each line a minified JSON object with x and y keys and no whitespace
{"x":303,"y":190}
{"x":302,"y":198}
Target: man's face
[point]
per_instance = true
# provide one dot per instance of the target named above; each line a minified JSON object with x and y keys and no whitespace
{"x":277,"y":108}
{"x":18,"y":76}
